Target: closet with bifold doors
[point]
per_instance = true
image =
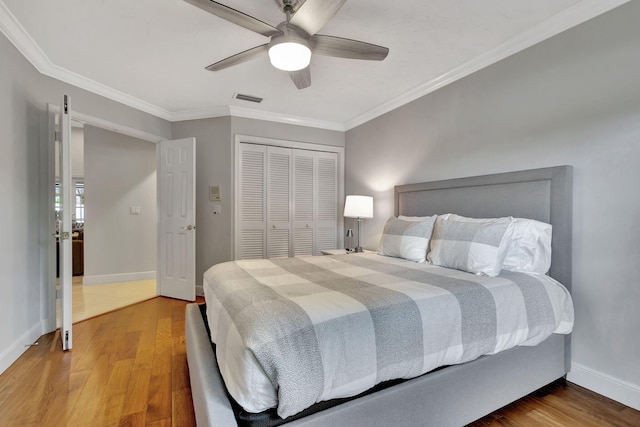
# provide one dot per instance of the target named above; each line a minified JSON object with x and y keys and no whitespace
{"x":287,"y":201}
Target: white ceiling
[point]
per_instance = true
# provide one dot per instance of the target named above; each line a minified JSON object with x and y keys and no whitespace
{"x":151,"y":54}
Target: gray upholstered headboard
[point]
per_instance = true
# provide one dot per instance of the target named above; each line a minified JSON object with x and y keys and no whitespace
{"x":541,"y":194}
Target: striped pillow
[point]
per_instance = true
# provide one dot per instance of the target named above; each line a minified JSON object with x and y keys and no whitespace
{"x":407,"y":239}
{"x":472,"y":245}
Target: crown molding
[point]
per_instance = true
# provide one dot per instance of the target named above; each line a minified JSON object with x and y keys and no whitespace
{"x":287,"y":119}
{"x":200,"y":113}
{"x":250,"y":113}
{"x":575,"y":15}
{"x":579,"y":13}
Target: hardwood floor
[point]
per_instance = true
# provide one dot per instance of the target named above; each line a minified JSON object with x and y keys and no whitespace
{"x":129,"y":368}
{"x":126,"y":368}
{"x":562,"y":404}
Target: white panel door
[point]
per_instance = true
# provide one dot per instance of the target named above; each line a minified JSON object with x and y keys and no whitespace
{"x":64,"y":223}
{"x":176,"y":219}
{"x":278,"y":202}
{"x":251,"y":240}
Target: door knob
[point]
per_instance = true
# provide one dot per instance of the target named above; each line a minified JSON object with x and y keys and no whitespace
{"x":189,"y":227}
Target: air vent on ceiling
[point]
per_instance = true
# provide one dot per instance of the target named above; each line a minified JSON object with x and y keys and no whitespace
{"x":249,"y":98}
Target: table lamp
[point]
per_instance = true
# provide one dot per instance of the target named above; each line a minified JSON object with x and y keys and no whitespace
{"x":358,"y":207}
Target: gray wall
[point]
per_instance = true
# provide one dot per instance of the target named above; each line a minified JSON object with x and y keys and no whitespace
{"x":573,"y":99}
{"x":215,"y":139}
{"x":24,"y":173}
{"x":120,"y":173}
{"x":77,"y":152}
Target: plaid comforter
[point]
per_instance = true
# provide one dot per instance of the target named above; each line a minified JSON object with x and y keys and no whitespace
{"x":291,"y":332}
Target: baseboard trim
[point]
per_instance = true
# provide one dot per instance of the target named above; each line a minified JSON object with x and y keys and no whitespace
{"x":121,"y":277}
{"x":200,"y":290}
{"x":19,"y":346}
{"x":613,"y":388}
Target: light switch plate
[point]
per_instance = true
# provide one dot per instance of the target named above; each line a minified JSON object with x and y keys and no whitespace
{"x":214,"y":193}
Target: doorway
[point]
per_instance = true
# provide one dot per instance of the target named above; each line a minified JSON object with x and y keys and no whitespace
{"x":114,"y":220}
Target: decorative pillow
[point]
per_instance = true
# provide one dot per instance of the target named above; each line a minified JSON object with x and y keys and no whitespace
{"x":419,"y":218}
{"x":407,"y":239}
{"x":413,"y":218}
{"x":530,"y":247}
{"x":474,"y":245}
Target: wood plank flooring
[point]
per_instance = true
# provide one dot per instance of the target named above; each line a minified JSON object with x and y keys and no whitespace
{"x":562,"y":404}
{"x":126,"y":368}
{"x":129,"y":368}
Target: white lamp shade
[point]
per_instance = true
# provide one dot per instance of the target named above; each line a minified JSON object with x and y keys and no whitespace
{"x":289,"y":56}
{"x":358,"y":207}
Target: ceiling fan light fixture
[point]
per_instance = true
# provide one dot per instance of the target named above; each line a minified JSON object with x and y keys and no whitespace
{"x":290,"y":56}
{"x":290,"y":50}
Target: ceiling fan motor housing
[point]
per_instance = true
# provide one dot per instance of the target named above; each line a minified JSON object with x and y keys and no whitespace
{"x":290,"y":34}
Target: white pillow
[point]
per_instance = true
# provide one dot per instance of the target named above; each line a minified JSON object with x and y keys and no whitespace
{"x":407,"y":239}
{"x":474,"y":245}
{"x":413,"y":218}
{"x":530,"y":247}
{"x":422,"y":218}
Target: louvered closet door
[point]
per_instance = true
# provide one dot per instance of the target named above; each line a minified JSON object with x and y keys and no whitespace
{"x":326,"y":213}
{"x":278,"y":202}
{"x":251,"y":239}
{"x":304,"y":167}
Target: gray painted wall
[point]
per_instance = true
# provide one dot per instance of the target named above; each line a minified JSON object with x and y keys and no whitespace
{"x":77,"y":152}
{"x":215,"y":139}
{"x":120,"y":173}
{"x":24,"y":169}
{"x":573,"y":99}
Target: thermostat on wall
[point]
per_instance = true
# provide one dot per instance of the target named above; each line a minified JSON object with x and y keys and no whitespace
{"x":214,"y":193}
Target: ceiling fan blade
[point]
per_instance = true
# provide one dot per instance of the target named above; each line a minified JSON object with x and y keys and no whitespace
{"x":314,"y":14}
{"x":236,"y":17}
{"x":347,"y":48}
{"x":239,"y":58}
{"x":302,"y":78}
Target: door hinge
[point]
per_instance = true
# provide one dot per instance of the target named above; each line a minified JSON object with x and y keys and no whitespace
{"x":66,"y":339}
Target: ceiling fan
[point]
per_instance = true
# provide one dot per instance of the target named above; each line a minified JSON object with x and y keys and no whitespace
{"x":294,"y":40}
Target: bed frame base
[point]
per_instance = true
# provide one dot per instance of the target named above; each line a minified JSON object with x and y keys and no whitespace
{"x":453,"y":396}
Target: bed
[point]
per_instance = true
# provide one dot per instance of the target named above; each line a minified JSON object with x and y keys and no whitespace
{"x":484,"y":384}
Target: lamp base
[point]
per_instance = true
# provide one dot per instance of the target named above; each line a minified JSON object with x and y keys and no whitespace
{"x":358,"y":249}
